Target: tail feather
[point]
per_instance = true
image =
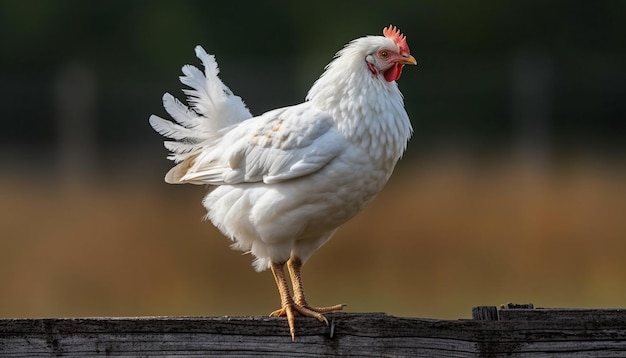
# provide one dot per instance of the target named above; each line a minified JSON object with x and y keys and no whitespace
{"x":181,"y":147}
{"x":170,"y":130}
{"x":210,"y":97}
{"x":211,"y":107}
{"x":198,"y":91}
{"x":181,"y":113}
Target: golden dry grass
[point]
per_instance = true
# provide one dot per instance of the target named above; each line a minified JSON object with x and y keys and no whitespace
{"x":437,"y":241}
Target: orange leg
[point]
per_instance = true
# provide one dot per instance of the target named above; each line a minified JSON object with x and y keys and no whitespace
{"x":289,"y":307}
{"x":294,"y":265}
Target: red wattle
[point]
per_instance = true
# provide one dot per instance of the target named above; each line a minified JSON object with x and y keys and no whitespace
{"x":394,"y":72}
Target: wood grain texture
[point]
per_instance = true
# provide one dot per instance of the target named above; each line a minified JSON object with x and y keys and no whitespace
{"x":356,"y":335}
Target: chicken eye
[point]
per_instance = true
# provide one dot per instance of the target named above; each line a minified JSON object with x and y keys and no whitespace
{"x":384,"y":54}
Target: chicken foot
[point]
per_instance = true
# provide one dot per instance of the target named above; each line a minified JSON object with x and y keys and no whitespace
{"x":296,"y":305}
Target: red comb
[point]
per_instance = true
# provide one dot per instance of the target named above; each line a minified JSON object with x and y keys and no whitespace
{"x":393,"y":33}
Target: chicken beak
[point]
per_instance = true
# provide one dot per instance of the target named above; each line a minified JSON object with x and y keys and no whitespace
{"x":407,"y":60}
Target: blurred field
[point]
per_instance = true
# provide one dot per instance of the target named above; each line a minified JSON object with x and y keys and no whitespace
{"x":438,"y":240}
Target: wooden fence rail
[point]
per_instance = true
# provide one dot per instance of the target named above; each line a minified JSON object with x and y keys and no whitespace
{"x":506,"y":332}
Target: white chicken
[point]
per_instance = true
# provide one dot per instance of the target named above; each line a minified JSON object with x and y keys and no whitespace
{"x":280,"y":184}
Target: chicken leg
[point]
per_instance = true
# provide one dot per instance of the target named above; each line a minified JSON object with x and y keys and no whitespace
{"x":294,"y":265}
{"x":291,"y":306}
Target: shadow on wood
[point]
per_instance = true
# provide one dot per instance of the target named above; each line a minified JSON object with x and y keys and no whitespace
{"x":511,"y":332}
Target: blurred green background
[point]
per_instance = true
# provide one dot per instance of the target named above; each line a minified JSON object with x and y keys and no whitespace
{"x":513,"y":187}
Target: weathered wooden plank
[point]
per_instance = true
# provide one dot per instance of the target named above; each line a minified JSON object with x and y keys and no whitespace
{"x":546,"y":314}
{"x":485,"y":313}
{"x":362,"y":335}
{"x":236,"y":336}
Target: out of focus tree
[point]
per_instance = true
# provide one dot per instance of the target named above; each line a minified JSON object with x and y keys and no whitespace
{"x":493,"y":75}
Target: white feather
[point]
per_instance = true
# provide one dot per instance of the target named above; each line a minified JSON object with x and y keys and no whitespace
{"x":213,"y":107}
{"x":170,"y":130}
{"x":181,"y":113}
